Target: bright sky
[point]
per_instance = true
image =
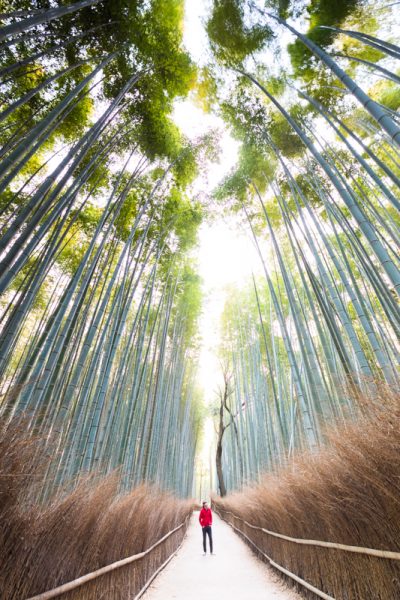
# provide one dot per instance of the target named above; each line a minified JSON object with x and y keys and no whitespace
{"x":194,"y":34}
{"x":194,"y":123}
{"x":225,"y":254}
{"x":217,"y":241}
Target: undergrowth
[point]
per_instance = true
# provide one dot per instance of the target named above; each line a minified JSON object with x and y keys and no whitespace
{"x":77,"y":531}
{"x":348,"y":492}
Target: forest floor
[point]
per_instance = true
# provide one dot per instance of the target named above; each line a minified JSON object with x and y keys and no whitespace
{"x":233,"y":573}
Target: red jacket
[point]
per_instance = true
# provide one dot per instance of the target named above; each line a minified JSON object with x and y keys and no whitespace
{"x":205,"y":517}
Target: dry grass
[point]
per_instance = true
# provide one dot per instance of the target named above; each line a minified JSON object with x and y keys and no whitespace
{"x":347,"y":493}
{"x":43,"y":546}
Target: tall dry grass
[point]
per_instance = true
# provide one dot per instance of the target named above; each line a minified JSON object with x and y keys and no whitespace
{"x":348,"y":493}
{"x":77,"y":532}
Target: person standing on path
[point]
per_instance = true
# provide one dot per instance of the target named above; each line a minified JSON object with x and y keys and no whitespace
{"x":205,"y":520}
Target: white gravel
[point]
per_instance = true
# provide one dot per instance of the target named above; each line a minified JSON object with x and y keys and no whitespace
{"x":233,"y":573}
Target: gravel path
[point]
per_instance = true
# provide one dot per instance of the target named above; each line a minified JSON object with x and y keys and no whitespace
{"x":233,"y":573}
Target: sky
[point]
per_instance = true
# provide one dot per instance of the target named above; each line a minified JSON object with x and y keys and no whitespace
{"x":225,"y":254}
{"x":194,"y":34}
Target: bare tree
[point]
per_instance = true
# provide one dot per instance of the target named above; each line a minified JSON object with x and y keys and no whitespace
{"x":223,"y":395}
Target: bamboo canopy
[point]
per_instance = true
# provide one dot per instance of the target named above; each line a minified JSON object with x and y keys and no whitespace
{"x":99,"y":295}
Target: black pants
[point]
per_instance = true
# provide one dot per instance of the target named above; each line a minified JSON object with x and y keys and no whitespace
{"x":207,"y":531}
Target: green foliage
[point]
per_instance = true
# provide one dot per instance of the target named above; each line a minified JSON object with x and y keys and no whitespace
{"x":275,"y":85}
{"x":182,"y":218}
{"x":255,"y":122}
{"x":98,"y":178}
{"x":157,"y":134}
{"x":254,"y":166}
{"x":185,"y":168}
{"x":358,"y":20}
{"x":9,"y":202}
{"x":231,"y":40}
{"x":189,"y":302}
{"x":321,"y":12}
{"x":324,"y":87}
{"x":234,"y":187}
{"x":325,"y":12}
{"x":88,"y":218}
{"x":146,"y":38}
{"x":386,"y":93}
{"x":283,"y":7}
{"x":246,"y":114}
{"x":78,"y":119}
{"x":168,"y":72}
{"x":126,"y":217}
{"x":284,"y":137}
{"x":206,"y":89}
{"x":78,"y":237}
{"x":308,"y":184}
{"x":188,"y":223}
{"x":352,"y":47}
{"x":73,"y":252}
{"x":319,"y":81}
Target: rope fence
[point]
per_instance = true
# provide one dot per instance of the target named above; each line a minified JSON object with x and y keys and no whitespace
{"x":304,"y":583}
{"x":71,"y":585}
{"x":357,"y":549}
{"x":387,"y":554}
{"x":146,"y":585}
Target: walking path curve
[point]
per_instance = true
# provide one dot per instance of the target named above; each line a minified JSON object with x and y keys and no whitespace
{"x":234,"y":573}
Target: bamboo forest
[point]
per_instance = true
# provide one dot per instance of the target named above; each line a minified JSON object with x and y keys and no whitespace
{"x":199,"y":299}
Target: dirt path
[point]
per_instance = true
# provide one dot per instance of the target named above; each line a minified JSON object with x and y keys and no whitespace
{"x":233,"y":573}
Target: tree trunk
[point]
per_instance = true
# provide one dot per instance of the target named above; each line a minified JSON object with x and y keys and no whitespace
{"x":43,"y":17}
{"x":218,"y":457}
